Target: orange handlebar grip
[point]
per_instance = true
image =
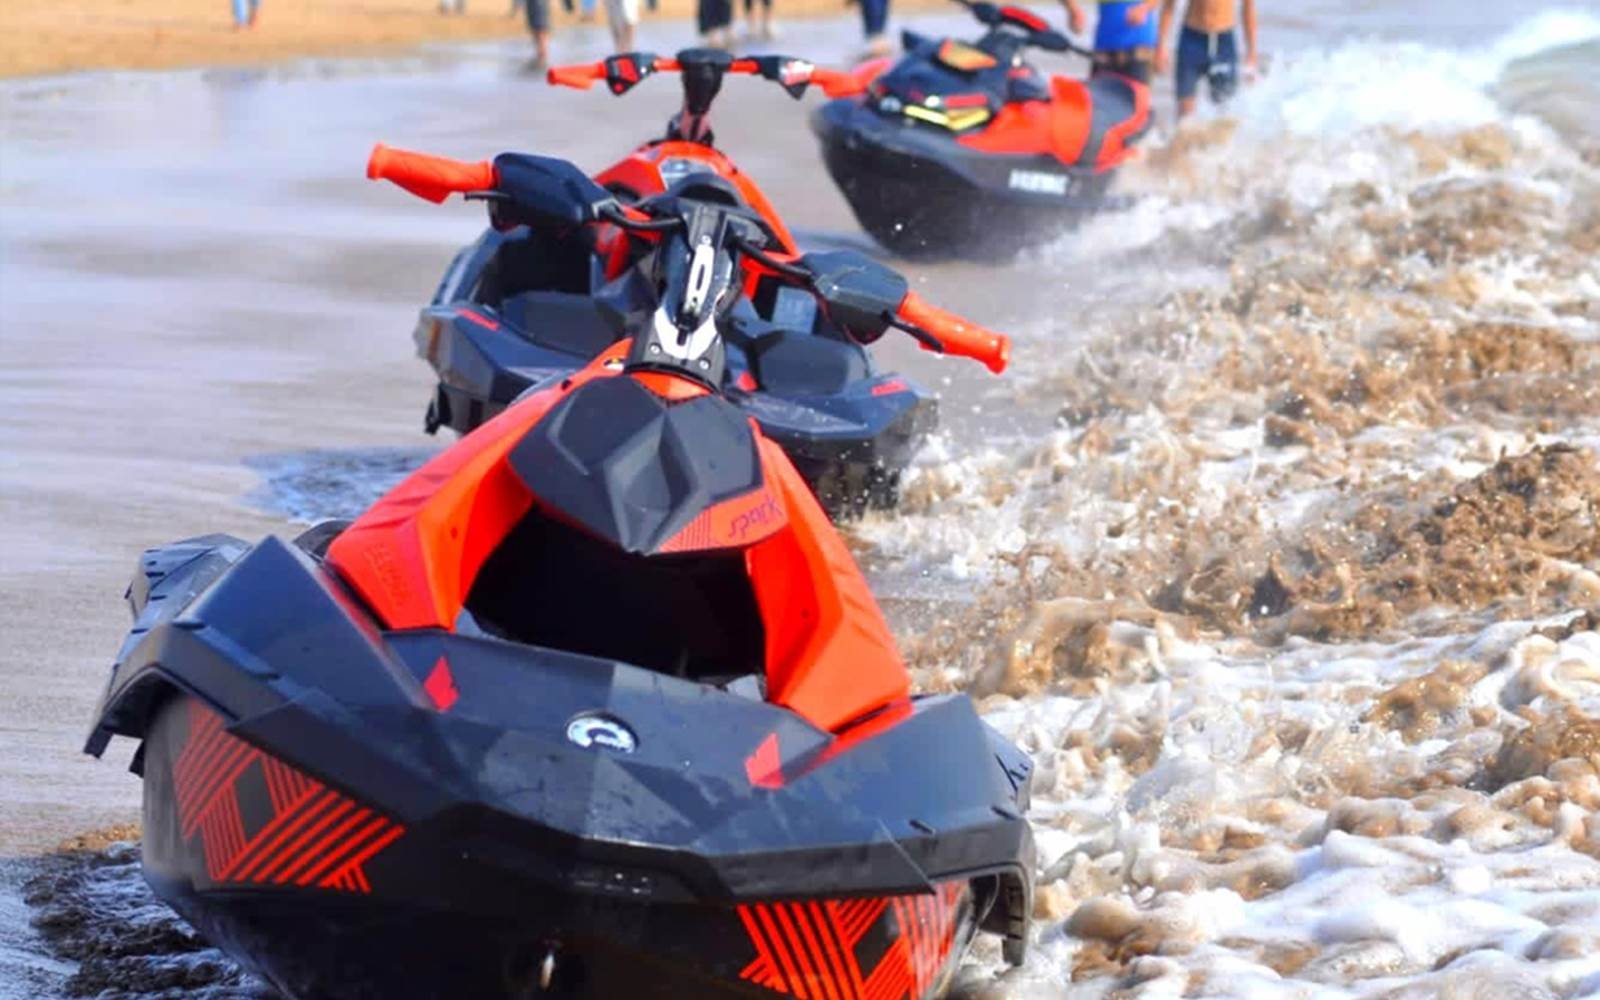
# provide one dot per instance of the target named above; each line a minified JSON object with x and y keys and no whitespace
{"x":836,"y":83}
{"x":959,"y":336}
{"x":432,"y":177}
{"x":581,"y":77}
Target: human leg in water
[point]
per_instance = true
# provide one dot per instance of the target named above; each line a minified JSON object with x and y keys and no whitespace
{"x":874,"y":21}
{"x":1212,"y":56}
{"x":758,"y":20}
{"x":538,"y":12}
{"x":622,"y":16}
{"x":714,"y":19}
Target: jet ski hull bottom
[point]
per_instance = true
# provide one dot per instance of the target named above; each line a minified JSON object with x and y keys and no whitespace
{"x":920,"y":193}
{"x":349,"y":949}
{"x":325,"y":897}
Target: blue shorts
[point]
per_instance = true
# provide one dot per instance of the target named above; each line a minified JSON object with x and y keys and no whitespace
{"x":1215,"y":57}
{"x":1114,"y":33}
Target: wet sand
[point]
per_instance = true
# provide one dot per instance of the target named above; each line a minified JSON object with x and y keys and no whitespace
{"x":43,"y":38}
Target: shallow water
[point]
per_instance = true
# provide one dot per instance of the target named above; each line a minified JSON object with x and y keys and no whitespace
{"x":1311,"y":340}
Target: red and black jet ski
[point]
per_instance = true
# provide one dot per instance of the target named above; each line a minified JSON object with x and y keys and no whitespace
{"x":521,"y":306}
{"x":594,"y":704}
{"x":964,"y":149}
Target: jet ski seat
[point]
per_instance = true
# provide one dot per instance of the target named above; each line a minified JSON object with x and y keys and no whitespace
{"x":563,"y":321}
{"x":790,"y":363}
{"x":535,"y":261}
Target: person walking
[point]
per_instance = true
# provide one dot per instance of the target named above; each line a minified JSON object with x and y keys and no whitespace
{"x":1124,"y":36}
{"x":622,"y":17}
{"x":874,"y":24}
{"x":1207,"y":48}
{"x":538,"y":14}
{"x":244,"y":14}
{"x":714,"y":18}
{"x":758,"y":21}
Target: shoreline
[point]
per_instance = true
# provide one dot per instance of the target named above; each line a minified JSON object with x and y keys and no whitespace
{"x":117,"y":35}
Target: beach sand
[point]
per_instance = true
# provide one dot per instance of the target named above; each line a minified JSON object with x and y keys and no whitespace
{"x":41,"y":38}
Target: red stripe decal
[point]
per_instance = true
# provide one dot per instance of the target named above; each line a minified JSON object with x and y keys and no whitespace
{"x":441,"y":686}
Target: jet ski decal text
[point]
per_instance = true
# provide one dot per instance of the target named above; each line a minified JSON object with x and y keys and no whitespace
{"x":1038,"y":182}
{"x":757,"y":517}
{"x":740,"y":521}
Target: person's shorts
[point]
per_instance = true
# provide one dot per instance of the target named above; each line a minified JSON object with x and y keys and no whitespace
{"x":1114,"y":31}
{"x":713,"y":15}
{"x":1215,"y":57}
{"x":622,"y":11}
{"x":1137,"y":63}
{"x":538,"y":12}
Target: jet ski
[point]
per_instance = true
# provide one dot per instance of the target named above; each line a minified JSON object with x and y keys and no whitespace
{"x":519,"y":306}
{"x":594,"y":704}
{"x":964,"y":149}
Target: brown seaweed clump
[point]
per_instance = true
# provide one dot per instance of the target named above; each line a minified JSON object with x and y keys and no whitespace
{"x":91,"y":906}
{"x":1512,"y":534}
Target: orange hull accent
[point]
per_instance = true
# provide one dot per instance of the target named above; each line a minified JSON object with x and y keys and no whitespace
{"x":811,"y":949}
{"x":316,"y":836}
{"x":1114,"y":150}
{"x":670,"y":387}
{"x":640,"y":173}
{"x":830,"y":656}
{"x":414,"y":554}
{"x":1059,"y":128}
{"x":413,"y":557}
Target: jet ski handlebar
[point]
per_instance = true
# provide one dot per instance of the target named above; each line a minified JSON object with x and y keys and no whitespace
{"x":944,"y":332}
{"x":860,"y":295}
{"x":1036,"y":30}
{"x":623,"y":71}
{"x":432,"y":177}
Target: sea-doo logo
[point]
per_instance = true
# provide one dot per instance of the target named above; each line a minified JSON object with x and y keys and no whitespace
{"x":592,"y":730}
{"x":1039,"y":183}
{"x":755,"y":517}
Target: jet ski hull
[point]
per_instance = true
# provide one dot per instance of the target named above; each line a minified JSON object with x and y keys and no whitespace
{"x":360,"y":813}
{"x":920,"y":193}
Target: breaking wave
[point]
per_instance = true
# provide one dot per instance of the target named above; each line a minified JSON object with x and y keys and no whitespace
{"x":1296,"y":608}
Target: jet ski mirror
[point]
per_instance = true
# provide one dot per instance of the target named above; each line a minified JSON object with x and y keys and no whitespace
{"x":545,"y":191}
{"x":859,"y":294}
